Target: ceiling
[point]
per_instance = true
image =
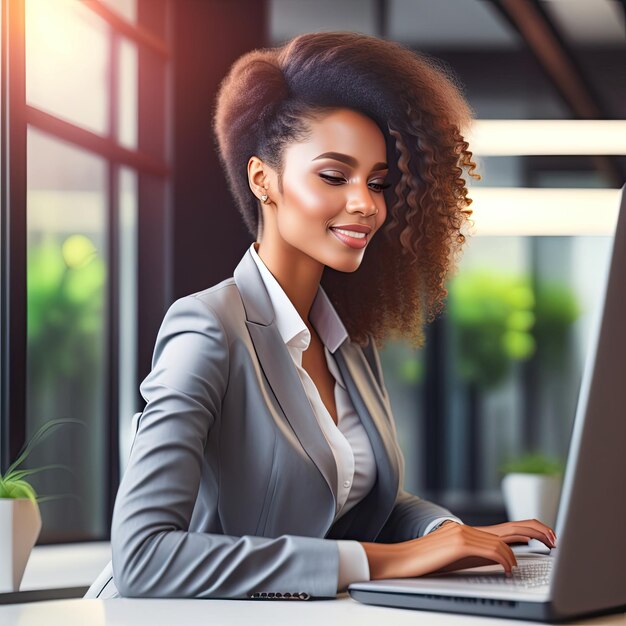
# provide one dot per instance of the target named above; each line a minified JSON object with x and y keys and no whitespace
{"x":448,"y":24}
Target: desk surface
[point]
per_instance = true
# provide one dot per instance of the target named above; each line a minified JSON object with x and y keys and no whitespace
{"x":343,"y":610}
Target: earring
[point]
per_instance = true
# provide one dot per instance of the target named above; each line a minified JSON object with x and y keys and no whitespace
{"x":264,"y":198}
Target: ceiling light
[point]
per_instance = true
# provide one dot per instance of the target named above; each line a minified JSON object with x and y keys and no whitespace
{"x":536,"y":137}
{"x":504,"y":211}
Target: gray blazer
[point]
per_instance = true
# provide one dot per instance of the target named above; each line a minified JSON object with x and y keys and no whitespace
{"x":230,"y":489}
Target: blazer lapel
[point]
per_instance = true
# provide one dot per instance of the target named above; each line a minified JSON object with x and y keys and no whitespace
{"x":366,"y":518}
{"x":281,"y":373}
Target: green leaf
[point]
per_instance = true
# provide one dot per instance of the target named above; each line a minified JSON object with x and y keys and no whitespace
{"x":19,"y":489}
{"x":21,"y":473}
{"x":533,"y":463}
{"x":63,"y":495}
{"x":41,"y":434}
{"x":12,"y":484}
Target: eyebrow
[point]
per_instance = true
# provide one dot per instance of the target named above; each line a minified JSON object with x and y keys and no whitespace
{"x":348,"y":160}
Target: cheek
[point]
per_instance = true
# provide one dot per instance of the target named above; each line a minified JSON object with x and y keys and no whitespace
{"x":310,"y":205}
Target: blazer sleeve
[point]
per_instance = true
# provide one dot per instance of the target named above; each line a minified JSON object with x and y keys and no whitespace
{"x":411,"y":516}
{"x":153,"y":552}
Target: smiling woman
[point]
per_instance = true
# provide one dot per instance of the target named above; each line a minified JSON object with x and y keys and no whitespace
{"x":398,"y":107}
{"x":330,"y":204}
{"x":266,"y":462}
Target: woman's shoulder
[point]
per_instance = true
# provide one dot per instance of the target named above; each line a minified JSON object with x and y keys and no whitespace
{"x":218,"y":294}
{"x":221,"y":300}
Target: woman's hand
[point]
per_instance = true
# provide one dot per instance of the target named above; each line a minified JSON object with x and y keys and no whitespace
{"x":511,"y":532}
{"x":451,"y":546}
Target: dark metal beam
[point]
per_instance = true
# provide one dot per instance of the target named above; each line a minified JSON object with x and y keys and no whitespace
{"x":381,"y":18}
{"x":557,"y":60}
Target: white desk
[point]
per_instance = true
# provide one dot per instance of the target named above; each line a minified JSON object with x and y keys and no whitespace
{"x":65,"y":565}
{"x":79,"y":564}
{"x":344,"y":610}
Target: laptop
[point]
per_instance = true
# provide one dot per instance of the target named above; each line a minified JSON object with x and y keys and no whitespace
{"x":586,"y":573}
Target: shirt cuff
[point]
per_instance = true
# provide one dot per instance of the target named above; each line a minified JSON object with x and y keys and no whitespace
{"x":434,"y":523}
{"x":353,"y":564}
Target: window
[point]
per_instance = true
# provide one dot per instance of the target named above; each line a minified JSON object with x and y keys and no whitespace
{"x":80,"y":174}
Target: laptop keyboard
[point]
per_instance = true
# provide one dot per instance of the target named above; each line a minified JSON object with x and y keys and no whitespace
{"x":528,"y":574}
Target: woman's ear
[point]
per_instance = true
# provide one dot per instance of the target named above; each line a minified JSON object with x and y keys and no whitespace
{"x":257,"y":177}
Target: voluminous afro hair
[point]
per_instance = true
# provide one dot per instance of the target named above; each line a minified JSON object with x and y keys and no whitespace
{"x":268,"y":98}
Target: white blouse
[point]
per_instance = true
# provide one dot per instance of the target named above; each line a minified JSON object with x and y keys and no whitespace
{"x":356,"y":466}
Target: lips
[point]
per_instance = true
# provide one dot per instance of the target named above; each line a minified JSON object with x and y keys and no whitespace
{"x":356,"y":242}
{"x":359,"y":228}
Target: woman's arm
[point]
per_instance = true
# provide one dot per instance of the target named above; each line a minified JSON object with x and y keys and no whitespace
{"x":451,"y":546}
{"x":411,"y":517}
{"x":409,"y":546}
{"x":154,"y":554}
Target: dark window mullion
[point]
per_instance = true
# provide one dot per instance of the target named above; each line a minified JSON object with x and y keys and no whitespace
{"x":112,"y":319}
{"x":138,"y":34}
{"x":95,"y":143}
{"x":435,"y":409}
{"x":13,"y":232}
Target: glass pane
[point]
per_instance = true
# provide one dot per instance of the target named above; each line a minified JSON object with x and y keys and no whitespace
{"x":66,"y":349}
{"x":127,"y":310}
{"x":517,"y":325}
{"x":125,"y":8}
{"x":67,"y":62}
{"x":127,"y":131}
{"x":519,"y":317}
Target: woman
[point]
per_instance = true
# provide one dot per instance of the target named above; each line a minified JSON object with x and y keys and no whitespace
{"x":266,"y":461}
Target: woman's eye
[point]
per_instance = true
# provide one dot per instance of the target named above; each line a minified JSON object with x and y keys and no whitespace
{"x":380,"y":186}
{"x":334,"y":179}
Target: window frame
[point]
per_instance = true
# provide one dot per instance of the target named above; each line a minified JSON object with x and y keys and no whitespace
{"x":150,"y":161}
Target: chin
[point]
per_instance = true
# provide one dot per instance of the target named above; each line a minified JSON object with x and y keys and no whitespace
{"x":345,"y":265}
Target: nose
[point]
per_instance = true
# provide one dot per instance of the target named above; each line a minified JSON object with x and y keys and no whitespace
{"x":361,"y":201}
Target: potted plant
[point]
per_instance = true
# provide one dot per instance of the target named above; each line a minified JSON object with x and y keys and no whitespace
{"x":532,"y":486}
{"x":20,"y":519}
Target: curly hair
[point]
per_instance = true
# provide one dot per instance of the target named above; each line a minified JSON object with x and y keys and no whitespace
{"x":267,"y":100}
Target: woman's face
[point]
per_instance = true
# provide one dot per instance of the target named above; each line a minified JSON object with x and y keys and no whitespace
{"x":333,"y":180}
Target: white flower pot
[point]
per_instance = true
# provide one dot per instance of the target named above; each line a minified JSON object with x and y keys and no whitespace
{"x":532,"y":496}
{"x":20,"y":525}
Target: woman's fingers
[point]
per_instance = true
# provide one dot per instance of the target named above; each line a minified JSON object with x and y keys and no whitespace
{"x":515,"y":539}
{"x":532,"y":528}
{"x":527,"y":531}
{"x":452,"y":546}
{"x":535,"y":523}
{"x":479,"y":543}
{"x":466,"y":562}
{"x":503,"y":549}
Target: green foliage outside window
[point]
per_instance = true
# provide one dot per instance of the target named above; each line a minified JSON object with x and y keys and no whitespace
{"x":499,"y":319}
{"x":65,"y":305}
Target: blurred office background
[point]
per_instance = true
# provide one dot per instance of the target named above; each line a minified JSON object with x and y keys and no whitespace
{"x":114,"y":205}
